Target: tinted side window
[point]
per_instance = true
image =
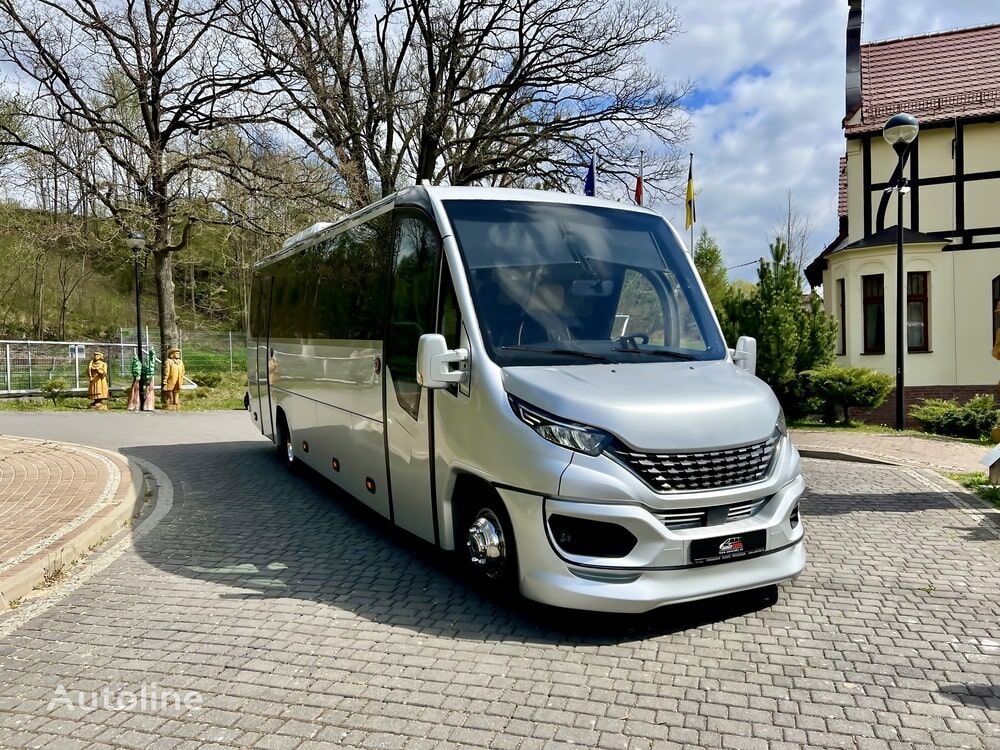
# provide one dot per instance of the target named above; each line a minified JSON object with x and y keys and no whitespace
{"x":411,"y":304}
{"x":639,"y":309}
{"x":253,"y":324}
{"x":291,"y":312}
{"x":351,"y":274}
{"x":450,"y":322}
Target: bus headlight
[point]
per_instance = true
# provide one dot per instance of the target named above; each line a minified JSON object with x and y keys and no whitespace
{"x":576,"y":437}
{"x":782,"y":425}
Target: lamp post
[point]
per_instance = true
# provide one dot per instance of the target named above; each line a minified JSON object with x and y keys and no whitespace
{"x":137,"y":243}
{"x":899,"y":132}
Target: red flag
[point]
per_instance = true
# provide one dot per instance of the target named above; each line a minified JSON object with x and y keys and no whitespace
{"x":638,"y":190}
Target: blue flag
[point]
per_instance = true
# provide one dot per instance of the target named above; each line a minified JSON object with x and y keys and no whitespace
{"x":590,"y":183}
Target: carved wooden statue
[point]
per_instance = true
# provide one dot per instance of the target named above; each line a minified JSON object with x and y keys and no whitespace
{"x":173,"y":379}
{"x":134,"y":396}
{"x":149,"y":375}
{"x":97,"y":385}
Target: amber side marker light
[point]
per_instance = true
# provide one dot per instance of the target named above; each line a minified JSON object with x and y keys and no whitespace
{"x":370,"y":484}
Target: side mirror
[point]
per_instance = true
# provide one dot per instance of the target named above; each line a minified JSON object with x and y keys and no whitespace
{"x":438,"y":366}
{"x":745,"y":354}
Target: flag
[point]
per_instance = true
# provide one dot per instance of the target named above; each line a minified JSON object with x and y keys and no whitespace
{"x":590,"y":183}
{"x":638,"y":183}
{"x":690,"y":216}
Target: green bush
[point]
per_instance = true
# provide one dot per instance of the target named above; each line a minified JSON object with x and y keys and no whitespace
{"x":208,"y":379}
{"x":54,"y":389}
{"x":973,"y":419}
{"x":831,"y":389}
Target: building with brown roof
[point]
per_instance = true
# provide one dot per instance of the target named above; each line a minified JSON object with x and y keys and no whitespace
{"x":950,"y":81}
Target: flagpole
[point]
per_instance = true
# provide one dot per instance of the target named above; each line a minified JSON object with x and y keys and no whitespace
{"x":691,"y":172}
{"x":642,"y":195}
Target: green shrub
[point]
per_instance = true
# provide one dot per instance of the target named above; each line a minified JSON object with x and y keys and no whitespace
{"x":208,"y":379}
{"x":54,"y":389}
{"x":791,"y":336}
{"x":973,"y":419}
{"x":832,"y":389}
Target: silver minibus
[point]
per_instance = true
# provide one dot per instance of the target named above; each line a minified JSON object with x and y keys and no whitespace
{"x":536,"y":381}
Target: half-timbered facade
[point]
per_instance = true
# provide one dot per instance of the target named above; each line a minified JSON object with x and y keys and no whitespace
{"x":950,"y":81}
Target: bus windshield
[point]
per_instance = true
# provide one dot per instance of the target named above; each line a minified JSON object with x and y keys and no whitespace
{"x":561,"y":284}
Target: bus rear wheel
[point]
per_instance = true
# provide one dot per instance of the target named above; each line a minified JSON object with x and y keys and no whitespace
{"x":284,"y":447}
{"x":487,"y":544}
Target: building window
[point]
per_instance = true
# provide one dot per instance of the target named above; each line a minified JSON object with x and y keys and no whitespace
{"x":873,"y":298}
{"x":918,"y":321}
{"x":995,"y":310}
{"x":841,"y":317}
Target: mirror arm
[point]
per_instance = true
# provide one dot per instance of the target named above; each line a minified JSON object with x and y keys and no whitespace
{"x":440,"y":365}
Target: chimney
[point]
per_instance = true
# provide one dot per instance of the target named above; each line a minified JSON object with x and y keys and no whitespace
{"x":853,"y":81}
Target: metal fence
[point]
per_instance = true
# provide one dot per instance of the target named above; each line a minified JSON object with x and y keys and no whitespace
{"x":26,"y":365}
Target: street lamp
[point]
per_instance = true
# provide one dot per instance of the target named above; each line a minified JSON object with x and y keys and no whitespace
{"x":899,"y":132}
{"x":137,"y":243}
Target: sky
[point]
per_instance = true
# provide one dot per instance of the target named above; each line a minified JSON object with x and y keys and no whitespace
{"x":769,"y":102}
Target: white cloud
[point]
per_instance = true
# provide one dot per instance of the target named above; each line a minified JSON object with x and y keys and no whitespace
{"x":771,"y":74}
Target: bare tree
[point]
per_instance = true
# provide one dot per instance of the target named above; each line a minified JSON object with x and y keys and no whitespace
{"x":508,"y":92}
{"x":146,"y":82}
{"x":796,"y":230}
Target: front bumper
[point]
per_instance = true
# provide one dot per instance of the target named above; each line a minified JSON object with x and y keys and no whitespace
{"x":658,"y":570}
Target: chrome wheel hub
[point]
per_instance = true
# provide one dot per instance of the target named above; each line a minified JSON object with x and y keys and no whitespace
{"x":486,"y":543}
{"x":289,"y":451}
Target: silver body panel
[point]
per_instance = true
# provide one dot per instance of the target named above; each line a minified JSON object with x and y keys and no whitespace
{"x":333,"y":398}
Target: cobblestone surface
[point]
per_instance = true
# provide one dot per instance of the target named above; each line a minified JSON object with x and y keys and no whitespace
{"x":940,"y":454}
{"x":304,"y":623}
{"x":46,"y":488}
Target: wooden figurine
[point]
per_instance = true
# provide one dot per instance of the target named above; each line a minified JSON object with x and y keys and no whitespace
{"x":97,"y":385}
{"x":173,"y":379}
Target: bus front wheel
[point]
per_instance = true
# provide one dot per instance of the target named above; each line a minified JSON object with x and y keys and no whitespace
{"x":487,"y":544}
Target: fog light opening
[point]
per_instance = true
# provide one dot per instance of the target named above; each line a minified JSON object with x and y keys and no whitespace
{"x":581,"y":536}
{"x":793,"y":519}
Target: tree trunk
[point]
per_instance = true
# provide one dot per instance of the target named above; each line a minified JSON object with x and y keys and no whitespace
{"x":163,"y":271}
{"x":38,"y":323}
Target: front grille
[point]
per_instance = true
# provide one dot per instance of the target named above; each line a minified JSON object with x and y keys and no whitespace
{"x":691,"y":518}
{"x":704,"y":470}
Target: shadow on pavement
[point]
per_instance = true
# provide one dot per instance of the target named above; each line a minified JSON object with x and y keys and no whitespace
{"x":980,"y":528}
{"x":975,"y":696}
{"x":241,"y":520}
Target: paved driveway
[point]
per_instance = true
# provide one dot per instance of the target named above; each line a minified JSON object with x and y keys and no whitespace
{"x":302,"y":622}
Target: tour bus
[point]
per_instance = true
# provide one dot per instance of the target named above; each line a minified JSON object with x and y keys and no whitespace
{"x":536,"y":381}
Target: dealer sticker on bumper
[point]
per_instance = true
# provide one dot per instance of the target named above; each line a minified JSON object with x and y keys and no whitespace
{"x":730,"y":547}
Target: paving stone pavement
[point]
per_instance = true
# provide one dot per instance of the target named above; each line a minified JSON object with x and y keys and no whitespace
{"x":304,"y":623}
{"x":43,"y":486}
{"x":940,"y":454}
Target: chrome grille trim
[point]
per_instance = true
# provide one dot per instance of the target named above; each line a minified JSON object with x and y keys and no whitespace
{"x":701,"y":470}
{"x":692,"y":518}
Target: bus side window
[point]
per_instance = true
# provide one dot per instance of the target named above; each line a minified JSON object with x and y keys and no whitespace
{"x":450,"y":319}
{"x":639,"y":309}
{"x":412,"y":304}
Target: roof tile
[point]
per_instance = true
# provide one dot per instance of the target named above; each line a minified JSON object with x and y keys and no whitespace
{"x":934,"y":77}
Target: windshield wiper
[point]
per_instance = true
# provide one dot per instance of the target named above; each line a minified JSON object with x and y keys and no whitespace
{"x":660,"y":353}
{"x":577,"y":352}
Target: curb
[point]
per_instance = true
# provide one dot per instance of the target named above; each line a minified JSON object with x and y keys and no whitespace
{"x":834,"y":455}
{"x":128,"y":498}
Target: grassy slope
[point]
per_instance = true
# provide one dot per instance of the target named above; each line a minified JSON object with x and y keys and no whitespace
{"x":105,"y":299}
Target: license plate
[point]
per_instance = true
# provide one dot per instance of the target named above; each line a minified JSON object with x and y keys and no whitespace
{"x":730,"y":547}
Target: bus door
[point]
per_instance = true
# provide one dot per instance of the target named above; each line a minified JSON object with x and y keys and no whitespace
{"x":264,"y":359}
{"x":408,"y":407}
